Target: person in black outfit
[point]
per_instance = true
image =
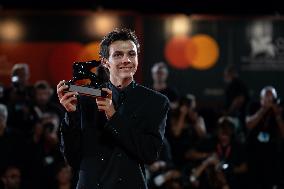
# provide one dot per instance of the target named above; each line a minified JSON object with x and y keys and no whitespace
{"x":108,"y":140}
{"x":162,"y":173}
{"x":236,"y":92}
{"x":265,"y":140}
{"x":17,"y":98}
{"x":223,"y":164}
{"x":160,"y":73}
{"x":237,"y":98}
{"x":11,"y":144}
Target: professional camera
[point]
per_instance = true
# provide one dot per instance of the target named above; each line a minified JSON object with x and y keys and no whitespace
{"x":82,"y":70}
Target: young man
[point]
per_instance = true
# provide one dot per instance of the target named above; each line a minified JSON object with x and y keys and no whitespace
{"x":108,"y":140}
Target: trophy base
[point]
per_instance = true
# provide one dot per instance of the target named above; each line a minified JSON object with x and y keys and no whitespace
{"x":86,"y":91}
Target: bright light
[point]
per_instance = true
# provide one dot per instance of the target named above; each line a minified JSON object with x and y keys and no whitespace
{"x":225,"y":166}
{"x":178,"y":25}
{"x":11,"y":30}
{"x":101,"y":24}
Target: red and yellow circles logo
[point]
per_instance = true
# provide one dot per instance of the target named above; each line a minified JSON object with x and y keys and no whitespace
{"x":200,"y":52}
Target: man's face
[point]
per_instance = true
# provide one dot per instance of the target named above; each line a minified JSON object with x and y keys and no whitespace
{"x":13,"y":178}
{"x":123,"y":60}
{"x":22,"y":76}
{"x":267,"y":98}
{"x":224,"y":137}
{"x":42,"y":96}
{"x":227,"y":77}
{"x":160,"y":75}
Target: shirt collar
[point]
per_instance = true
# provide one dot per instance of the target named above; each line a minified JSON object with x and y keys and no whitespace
{"x":117,"y":93}
{"x":125,"y":90}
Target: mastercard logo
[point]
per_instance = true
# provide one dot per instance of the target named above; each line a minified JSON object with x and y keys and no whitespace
{"x":200,"y":52}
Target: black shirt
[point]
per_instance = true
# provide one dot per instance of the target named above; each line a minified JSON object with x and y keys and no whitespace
{"x":119,"y":95}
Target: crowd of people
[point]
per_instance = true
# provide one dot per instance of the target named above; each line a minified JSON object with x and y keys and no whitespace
{"x":244,"y":149}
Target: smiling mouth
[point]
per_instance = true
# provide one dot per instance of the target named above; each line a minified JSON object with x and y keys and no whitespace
{"x":125,"y":68}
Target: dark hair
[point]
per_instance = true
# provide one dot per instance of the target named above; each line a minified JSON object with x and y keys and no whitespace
{"x":187,"y":100}
{"x":42,"y":85}
{"x":231,"y":69}
{"x":115,"y":35}
{"x":226,"y":125}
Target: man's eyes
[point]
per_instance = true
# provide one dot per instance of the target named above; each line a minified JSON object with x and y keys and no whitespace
{"x":132,"y":54}
{"x":117,"y":54}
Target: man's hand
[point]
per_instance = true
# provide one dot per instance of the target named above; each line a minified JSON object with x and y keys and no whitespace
{"x":277,"y":110}
{"x":105,"y":104}
{"x":67,"y":99}
{"x":212,"y":160}
{"x":183,"y":110}
{"x":157,"y":165}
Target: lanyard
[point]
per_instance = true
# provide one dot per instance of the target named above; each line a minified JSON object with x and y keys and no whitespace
{"x":221,"y":153}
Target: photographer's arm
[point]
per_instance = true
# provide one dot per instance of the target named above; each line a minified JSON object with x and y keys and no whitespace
{"x":199,"y":170}
{"x":278,"y":116}
{"x":194,"y":154}
{"x":242,"y":168}
{"x":178,"y":124}
{"x":199,"y":126}
{"x":253,"y":120}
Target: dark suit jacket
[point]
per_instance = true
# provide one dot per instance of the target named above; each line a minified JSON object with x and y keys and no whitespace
{"x":111,"y":153}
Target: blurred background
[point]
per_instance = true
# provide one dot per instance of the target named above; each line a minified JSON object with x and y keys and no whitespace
{"x":214,"y":57}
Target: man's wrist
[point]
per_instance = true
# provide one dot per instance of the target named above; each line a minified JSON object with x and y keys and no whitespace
{"x":110,"y":114}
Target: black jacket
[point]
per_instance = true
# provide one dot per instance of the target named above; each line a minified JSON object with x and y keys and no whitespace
{"x":111,"y":153}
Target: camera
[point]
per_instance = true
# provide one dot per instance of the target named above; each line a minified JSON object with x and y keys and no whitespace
{"x":222,"y":166}
{"x":15,"y":81}
{"x":82,"y":70}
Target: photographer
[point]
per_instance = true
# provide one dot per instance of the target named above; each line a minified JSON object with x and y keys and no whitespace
{"x":265,"y":138}
{"x":163,"y":173}
{"x":187,"y":128}
{"x":11,"y":148}
{"x":42,"y":152}
{"x":17,"y":97}
{"x":224,"y":165}
{"x":42,"y":103}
